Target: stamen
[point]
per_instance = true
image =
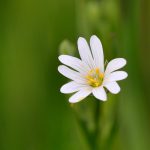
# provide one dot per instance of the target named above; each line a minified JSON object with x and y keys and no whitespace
{"x":95,"y":77}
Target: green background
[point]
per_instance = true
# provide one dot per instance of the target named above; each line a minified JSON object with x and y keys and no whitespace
{"x":34,"y":115}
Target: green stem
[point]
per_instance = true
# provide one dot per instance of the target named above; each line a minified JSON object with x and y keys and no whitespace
{"x":91,"y":137}
{"x":96,"y":119}
{"x":112,"y":134}
{"x":87,"y":134}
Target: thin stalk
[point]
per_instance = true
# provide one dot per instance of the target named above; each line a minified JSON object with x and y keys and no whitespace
{"x":96,"y":119}
{"x":91,"y":137}
{"x":88,"y":136}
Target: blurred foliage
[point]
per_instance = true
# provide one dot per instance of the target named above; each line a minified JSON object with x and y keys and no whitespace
{"x":33,"y":113}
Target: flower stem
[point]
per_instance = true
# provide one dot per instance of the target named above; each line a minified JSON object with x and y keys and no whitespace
{"x":91,"y":137}
{"x":86,"y":133}
{"x":96,"y":119}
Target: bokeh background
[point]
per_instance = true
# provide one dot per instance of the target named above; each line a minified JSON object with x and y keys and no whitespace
{"x":34,"y":115}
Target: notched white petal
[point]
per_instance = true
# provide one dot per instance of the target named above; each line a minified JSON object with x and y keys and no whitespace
{"x":71,"y":74}
{"x":80,"y":95}
{"x":100,"y":93}
{"x":113,"y":87}
{"x":115,"y":64}
{"x":115,"y":76}
{"x":97,"y":51}
{"x":85,"y":52}
{"x":74,"y":63}
{"x":71,"y":87}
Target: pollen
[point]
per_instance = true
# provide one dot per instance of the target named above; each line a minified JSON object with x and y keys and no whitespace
{"x":95,"y":77}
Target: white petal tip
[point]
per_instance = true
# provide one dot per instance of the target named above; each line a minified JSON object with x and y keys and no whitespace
{"x":100,"y":93}
{"x":59,"y":68}
{"x":60,"y":57}
{"x":116,"y":76}
{"x":125,"y":75}
{"x":93,"y":36}
{"x":62,"y":90}
{"x":72,"y":102}
{"x":116,"y":92}
{"x":80,"y":95}
{"x":123,"y":60}
{"x":81,"y":40}
{"x":103,"y":100}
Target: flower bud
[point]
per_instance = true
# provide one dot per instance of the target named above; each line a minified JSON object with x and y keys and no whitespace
{"x":66,"y":48}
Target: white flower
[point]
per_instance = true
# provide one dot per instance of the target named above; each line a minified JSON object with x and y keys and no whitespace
{"x":88,"y":74}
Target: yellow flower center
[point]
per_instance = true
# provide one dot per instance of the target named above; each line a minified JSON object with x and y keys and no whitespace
{"x":95,"y":77}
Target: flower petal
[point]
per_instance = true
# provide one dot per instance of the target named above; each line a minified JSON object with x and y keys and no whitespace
{"x":71,"y":87}
{"x":100,"y":93}
{"x":74,"y":63}
{"x":113,"y":87}
{"x":115,"y":76}
{"x":85,"y":52}
{"x":71,"y":74}
{"x":80,"y":95}
{"x":97,"y":51}
{"x":115,"y":64}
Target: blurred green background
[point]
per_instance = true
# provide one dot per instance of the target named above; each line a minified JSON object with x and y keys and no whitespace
{"x":34,"y":115}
